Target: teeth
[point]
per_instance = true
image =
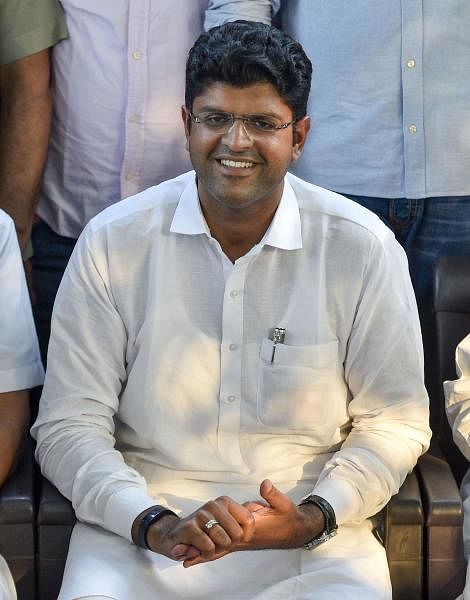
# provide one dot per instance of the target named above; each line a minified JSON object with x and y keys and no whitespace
{"x":236,"y":164}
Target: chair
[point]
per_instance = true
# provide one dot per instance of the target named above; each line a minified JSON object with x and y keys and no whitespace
{"x":445,"y":564}
{"x":55,"y":522}
{"x":17,"y":530}
{"x":452,"y":316}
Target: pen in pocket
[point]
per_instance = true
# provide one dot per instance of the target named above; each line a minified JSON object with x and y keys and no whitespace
{"x":278,"y":337}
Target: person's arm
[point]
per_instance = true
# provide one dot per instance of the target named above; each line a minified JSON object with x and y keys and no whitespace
{"x":14,"y":419}
{"x":85,"y":374}
{"x":221,"y":11}
{"x":25,"y":116}
{"x":389,"y":407}
{"x":458,"y":399}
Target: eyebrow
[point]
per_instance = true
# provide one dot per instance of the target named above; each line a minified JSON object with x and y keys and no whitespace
{"x":255,"y":114}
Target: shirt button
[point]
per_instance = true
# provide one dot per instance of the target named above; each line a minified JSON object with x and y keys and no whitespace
{"x":412,"y":129}
{"x":129,"y":177}
{"x":231,"y":399}
{"x":411,"y":63}
{"x":133,"y":119}
{"x":233,"y":347}
{"x":234,"y":293}
{"x":137,"y":55}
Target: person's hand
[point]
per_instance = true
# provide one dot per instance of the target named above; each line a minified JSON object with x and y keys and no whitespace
{"x":279,"y":523}
{"x":188,"y":540}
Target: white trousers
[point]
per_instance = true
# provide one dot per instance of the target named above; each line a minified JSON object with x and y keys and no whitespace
{"x":7,"y":585}
{"x":352,"y":565}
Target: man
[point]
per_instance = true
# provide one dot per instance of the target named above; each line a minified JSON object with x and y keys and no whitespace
{"x":20,"y":364}
{"x":391,"y":118}
{"x":458,"y":411}
{"x":118,"y":83}
{"x":237,"y":332}
{"x":28,"y":29}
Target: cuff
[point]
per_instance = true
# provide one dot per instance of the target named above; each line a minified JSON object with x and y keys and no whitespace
{"x":343,"y":498}
{"x":122,"y":509}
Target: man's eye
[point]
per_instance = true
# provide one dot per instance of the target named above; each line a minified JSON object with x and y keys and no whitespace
{"x":262,"y":124}
{"x":215,"y":119}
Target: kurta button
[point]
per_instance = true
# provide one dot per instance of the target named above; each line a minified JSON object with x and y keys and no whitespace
{"x":234,"y":293}
{"x":231,"y":398}
{"x":233,"y":347}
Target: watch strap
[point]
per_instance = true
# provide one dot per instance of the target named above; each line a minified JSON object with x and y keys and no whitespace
{"x":143,"y":521}
{"x":331,"y":527}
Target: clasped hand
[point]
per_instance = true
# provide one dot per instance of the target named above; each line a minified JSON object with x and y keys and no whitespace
{"x":273,"y":522}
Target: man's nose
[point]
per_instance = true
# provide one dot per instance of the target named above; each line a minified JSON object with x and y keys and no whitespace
{"x":237,"y":137}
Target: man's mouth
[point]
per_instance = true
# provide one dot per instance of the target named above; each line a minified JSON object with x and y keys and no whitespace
{"x":236,"y":164}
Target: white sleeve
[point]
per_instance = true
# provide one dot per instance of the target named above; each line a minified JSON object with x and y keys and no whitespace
{"x":221,"y":11}
{"x":20,"y":362}
{"x":389,"y":405}
{"x":458,"y":398}
{"x":86,"y":370}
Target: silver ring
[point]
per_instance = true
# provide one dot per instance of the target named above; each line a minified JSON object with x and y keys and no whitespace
{"x":211,"y":524}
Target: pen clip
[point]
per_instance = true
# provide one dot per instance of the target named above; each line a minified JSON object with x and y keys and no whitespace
{"x":278,"y":337}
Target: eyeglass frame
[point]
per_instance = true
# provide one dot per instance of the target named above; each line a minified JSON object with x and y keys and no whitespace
{"x":245,"y":119}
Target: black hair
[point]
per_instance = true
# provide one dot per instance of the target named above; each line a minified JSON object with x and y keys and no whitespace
{"x":244,"y":53}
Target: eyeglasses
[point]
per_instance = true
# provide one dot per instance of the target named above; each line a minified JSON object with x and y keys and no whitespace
{"x":222,"y":122}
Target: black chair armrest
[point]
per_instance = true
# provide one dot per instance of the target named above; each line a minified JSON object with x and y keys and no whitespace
{"x":403,"y":521}
{"x":17,"y":534}
{"x":445,"y":562}
{"x":56,"y":519}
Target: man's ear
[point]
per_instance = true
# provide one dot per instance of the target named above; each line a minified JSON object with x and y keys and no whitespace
{"x":301,"y":129}
{"x":187,"y":124}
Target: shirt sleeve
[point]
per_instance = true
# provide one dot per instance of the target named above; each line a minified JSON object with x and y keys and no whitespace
{"x":389,"y":407}
{"x":221,"y":11}
{"x":457,"y":395}
{"x":29,"y":26}
{"x":20,"y":362}
{"x":85,"y":375}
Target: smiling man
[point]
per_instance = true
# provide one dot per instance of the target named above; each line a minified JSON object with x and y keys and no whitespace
{"x":235,"y":362}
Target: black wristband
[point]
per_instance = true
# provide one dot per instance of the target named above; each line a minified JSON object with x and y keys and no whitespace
{"x":146,"y":519}
{"x":330,"y":520}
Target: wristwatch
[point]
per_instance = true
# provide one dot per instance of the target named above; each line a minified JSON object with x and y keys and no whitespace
{"x":331,"y":528}
{"x":143,"y":521}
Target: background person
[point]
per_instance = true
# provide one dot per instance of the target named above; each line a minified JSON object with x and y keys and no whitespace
{"x":20,"y":364}
{"x":458,"y":411}
{"x":28,"y":29}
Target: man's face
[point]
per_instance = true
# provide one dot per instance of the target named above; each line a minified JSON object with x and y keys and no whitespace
{"x":240,"y":167}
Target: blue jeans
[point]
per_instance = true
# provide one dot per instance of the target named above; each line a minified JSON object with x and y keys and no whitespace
{"x":427,"y":229}
{"x":51,"y":255}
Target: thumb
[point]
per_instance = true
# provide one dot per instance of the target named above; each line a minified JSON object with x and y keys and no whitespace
{"x":275,"y":498}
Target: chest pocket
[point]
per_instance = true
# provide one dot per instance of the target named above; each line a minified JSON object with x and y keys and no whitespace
{"x":301,"y":390}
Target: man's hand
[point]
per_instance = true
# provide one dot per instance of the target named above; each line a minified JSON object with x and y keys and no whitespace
{"x":277,"y":523}
{"x":188,"y":539}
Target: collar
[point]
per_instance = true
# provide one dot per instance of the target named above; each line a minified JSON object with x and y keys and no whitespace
{"x":284,"y":231}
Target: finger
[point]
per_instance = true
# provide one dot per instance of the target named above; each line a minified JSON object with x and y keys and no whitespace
{"x":239,"y":522}
{"x":200,"y":559}
{"x":184,"y":551}
{"x":217,"y":531}
{"x":255,"y":505}
{"x":275,"y":498}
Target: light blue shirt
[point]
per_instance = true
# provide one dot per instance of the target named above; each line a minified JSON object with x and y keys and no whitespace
{"x":390,"y":100}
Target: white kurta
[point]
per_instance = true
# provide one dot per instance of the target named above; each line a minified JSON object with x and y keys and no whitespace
{"x":20,"y":363}
{"x":161,"y":344}
{"x":458,"y":411}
